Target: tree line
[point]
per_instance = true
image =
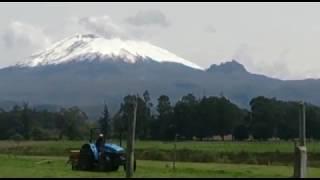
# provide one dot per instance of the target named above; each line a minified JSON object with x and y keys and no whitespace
{"x":189,"y":117}
{"x":26,"y":123}
{"x":206,"y":117}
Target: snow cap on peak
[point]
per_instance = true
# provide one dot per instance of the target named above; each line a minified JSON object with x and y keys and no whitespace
{"x":86,"y":45}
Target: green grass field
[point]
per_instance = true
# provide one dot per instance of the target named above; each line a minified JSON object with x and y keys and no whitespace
{"x":196,"y":159}
{"x":49,"y":166}
{"x":257,"y":147}
{"x":265,"y":153}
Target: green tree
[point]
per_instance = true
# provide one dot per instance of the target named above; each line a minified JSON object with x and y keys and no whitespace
{"x":208,"y":113}
{"x":148,"y":114}
{"x":74,"y":120}
{"x":124,"y":116}
{"x":26,"y":121}
{"x":185,"y":115}
{"x":241,"y":133}
{"x":262,"y":118}
{"x":228,"y":116}
{"x":164,"y":127}
{"x":104,"y":122}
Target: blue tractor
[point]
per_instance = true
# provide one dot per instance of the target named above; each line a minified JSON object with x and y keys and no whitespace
{"x":98,"y":157}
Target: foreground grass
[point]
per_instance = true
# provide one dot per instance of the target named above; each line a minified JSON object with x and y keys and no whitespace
{"x":50,"y":166}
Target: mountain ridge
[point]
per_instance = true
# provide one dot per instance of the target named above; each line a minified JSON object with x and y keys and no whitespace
{"x":90,"y":81}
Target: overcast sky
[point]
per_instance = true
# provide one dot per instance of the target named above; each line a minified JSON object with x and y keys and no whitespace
{"x":276,"y":39}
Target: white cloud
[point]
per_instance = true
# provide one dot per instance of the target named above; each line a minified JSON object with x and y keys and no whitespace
{"x":102,"y":25}
{"x":19,"y":40}
{"x":23,"y":35}
{"x":282,"y":64}
{"x":147,"y":18}
{"x":242,"y":55}
{"x":210,"y":29}
{"x":107,"y":27}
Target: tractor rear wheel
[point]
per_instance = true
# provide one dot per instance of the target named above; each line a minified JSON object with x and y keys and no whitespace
{"x":86,"y":158}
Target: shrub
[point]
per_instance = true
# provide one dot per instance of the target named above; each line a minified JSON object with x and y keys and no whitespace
{"x":17,"y":137}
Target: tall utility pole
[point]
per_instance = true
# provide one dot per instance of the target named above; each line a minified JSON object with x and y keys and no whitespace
{"x":302,"y":131}
{"x":120,"y":139}
{"x":130,"y":141}
{"x":300,"y":168}
{"x":174,"y":152}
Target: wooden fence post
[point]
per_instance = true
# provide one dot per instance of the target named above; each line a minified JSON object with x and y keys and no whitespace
{"x":300,"y":151}
{"x":130,"y":141}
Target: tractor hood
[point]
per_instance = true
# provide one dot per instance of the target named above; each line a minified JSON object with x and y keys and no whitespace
{"x":113,"y":148}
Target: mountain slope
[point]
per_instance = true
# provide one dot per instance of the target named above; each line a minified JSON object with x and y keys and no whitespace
{"x":86,"y":70}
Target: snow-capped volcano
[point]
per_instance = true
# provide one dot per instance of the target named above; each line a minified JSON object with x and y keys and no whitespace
{"x":91,"y":47}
